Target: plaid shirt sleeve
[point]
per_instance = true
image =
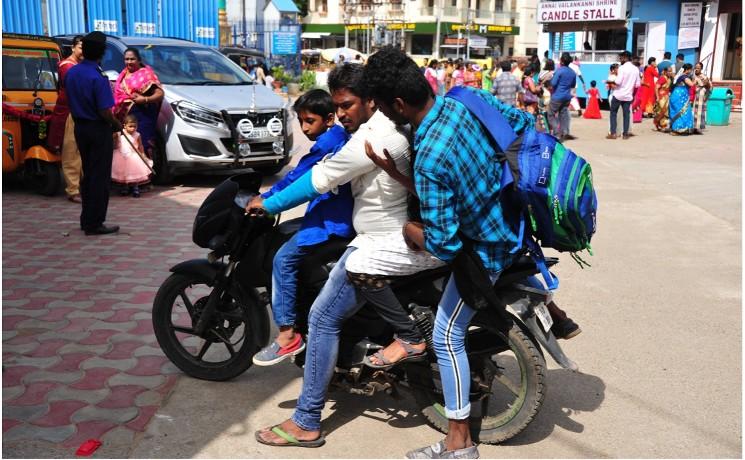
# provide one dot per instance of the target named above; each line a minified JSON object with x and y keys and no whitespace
{"x":438,"y":216}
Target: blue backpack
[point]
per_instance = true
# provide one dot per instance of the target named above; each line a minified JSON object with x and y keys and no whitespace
{"x":551,"y":185}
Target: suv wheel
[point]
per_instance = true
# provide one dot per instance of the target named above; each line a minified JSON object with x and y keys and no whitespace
{"x":163,"y":174}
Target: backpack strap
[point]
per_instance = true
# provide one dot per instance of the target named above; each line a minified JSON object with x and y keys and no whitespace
{"x":552,"y":281}
{"x":497,"y":126}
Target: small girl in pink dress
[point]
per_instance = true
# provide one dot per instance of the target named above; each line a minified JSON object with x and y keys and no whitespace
{"x":128,"y":168}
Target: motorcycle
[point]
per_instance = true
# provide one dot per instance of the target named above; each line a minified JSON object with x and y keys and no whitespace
{"x":210,"y":317}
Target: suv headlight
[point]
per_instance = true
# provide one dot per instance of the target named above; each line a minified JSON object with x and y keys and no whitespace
{"x":197,"y":114}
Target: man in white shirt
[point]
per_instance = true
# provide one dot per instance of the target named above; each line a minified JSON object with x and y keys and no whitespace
{"x":574,"y":65}
{"x":623,"y":94}
{"x":380,"y":212}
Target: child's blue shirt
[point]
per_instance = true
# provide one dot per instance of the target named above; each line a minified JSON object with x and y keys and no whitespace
{"x":330,"y":213}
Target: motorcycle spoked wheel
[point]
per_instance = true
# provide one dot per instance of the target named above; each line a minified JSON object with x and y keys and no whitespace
{"x":225,"y":351}
{"x":507,"y":390}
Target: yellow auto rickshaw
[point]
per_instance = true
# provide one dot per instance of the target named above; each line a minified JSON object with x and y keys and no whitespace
{"x":29,"y":94}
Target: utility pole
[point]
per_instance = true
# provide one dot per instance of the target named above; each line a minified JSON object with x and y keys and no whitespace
{"x":468,"y":26}
{"x":437,"y":34}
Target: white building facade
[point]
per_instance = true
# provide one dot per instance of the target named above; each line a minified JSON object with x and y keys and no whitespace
{"x":424,"y":28}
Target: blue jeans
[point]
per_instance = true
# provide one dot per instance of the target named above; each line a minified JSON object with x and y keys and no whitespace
{"x":335,"y":303}
{"x":284,"y":281}
{"x":625,"y":108}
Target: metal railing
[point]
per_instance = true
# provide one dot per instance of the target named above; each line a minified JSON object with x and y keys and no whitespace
{"x":609,"y":57}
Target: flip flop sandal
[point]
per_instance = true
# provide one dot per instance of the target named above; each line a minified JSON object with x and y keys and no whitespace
{"x":412,"y":354}
{"x":291,"y":441}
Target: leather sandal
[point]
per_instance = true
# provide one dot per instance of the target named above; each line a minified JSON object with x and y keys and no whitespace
{"x":412,"y":354}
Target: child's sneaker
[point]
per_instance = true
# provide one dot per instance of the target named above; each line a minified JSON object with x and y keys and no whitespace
{"x":136,"y":191}
{"x":273,"y":354}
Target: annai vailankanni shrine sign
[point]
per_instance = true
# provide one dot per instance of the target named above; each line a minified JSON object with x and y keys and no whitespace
{"x":588,"y":10}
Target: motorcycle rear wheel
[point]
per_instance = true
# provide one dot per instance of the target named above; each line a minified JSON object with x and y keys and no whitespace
{"x":227,"y":348}
{"x":510,"y":396}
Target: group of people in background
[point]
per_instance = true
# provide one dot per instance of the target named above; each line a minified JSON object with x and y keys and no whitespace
{"x":673,"y":95}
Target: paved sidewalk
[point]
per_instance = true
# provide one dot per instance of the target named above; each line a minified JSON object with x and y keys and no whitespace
{"x":659,"y":356}
{"x":80,"y":359}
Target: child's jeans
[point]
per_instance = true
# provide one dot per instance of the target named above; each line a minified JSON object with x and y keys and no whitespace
{"x":284,"y":281}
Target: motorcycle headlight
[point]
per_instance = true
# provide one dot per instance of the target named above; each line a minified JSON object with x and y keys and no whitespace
{"x":193,"y":113}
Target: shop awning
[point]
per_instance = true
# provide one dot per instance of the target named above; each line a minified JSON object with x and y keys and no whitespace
{"x":583,"y":26}
{"x":314,"y":34}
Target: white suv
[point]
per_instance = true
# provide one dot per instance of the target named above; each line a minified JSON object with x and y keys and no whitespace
{"x":213,"y":116}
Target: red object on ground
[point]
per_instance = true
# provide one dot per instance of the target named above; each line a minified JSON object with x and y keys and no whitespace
{"x":88,"y":447}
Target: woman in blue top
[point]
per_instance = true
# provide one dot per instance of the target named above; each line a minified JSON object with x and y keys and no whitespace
{"x":327,"y":216}
{"x":681,"y":112}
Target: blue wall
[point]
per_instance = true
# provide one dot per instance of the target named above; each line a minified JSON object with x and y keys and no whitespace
{"x":660,"y":10}
{"x":22,"y":17}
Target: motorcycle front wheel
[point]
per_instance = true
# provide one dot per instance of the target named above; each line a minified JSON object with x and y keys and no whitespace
{"x":507,"y":389}
{"x":224,"y":351}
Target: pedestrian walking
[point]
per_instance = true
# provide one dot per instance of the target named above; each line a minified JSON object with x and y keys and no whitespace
{"x":681,"y":113}
{"x":701,"y":95}
{"x":91,"y":100}
{"x":562,"y":83}
{"x":62,"y":130}
{"x":506,"y":86}
{"x":626,"y":83}
{"x":430,"y":73}
{"x":130,"y":168}
{"x":662,"y":107}
{"x":648,"y":93}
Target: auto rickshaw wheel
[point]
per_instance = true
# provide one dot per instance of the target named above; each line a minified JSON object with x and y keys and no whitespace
{"x":42,"y":177}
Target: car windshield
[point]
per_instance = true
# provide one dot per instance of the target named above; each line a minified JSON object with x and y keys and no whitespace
{"x":180,"y":65}
{"x":30,"y":69}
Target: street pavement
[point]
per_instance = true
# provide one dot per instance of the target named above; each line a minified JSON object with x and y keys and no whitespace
{"x":660,"y":308}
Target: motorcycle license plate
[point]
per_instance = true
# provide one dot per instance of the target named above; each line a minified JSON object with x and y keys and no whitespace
{"x":543,"y":316}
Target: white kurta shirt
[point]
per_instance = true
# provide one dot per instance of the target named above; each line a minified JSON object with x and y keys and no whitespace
{"x":379,"y":200}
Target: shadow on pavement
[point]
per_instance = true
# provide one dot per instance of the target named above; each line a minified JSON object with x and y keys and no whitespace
{"x":568,"y":393}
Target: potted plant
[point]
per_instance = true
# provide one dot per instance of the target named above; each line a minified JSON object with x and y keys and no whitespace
{"x":293,"y":86}
{"x":281,"y":78}
{"x":307,"y":80}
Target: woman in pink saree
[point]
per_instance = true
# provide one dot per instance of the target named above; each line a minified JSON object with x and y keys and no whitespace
{"x":138,"y":92}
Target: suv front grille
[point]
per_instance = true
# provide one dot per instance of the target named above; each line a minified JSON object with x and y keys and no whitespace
{"x":258,"y":119}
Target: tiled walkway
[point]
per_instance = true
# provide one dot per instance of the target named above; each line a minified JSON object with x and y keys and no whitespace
{"x":80,"y":359}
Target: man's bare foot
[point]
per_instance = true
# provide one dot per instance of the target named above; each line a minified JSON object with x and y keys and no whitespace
{"x":395,"y":352}
{"x":289,"y":427}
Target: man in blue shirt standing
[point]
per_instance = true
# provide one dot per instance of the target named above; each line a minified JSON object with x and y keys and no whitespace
{"x":90,"y":99}
{"x":563,"y":82}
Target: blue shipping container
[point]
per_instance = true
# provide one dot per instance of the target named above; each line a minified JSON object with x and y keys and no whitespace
{"x":66,"y":17}
{"x":204,"y":22}
{"x":142,"y":18}
{"x":105,"y":16}
{"x":22,"y":17}
{"x":175,"y":17}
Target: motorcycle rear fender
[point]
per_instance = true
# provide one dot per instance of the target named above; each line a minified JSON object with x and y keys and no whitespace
{"x":37,"y":152}
{"x":524,"y":308}
{"x":199,"y":267}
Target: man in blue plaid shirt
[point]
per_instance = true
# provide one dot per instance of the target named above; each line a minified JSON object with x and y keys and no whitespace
{"x":457,"y":178}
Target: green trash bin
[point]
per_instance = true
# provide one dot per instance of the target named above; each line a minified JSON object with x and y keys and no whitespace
{"x":719,"y":106}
